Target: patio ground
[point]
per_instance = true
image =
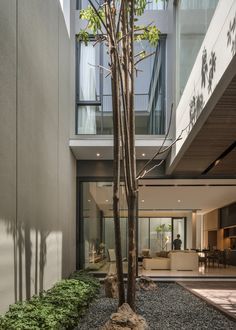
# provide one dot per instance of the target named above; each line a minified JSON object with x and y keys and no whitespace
{"x":220,"y":294}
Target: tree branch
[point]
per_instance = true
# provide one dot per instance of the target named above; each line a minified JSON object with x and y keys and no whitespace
{"x":152,"y":168}
{"x":167,"y":133}
{"x":99,"y":16}
{"x":100,"y":67}
{"x":144,"y":58}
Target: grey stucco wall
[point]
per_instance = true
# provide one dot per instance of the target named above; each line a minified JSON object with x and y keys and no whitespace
{"x":37,"y":168}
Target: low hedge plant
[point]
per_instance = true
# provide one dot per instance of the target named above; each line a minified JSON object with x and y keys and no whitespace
{"x":57,"y":308}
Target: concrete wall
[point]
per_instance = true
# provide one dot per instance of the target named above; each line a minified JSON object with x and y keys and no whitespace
{"x":202,"y":86}
{"x":37,"y":168}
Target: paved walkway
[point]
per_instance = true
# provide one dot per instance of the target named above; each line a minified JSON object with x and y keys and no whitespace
{"x":220,"y":294}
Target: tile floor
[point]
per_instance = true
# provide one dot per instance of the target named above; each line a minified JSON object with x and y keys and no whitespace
{"x":220,"y":294}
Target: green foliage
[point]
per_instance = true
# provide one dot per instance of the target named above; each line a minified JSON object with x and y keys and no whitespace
{"x":58,"y":308}
{"x":94,"y":25}
{"x":94,"y":22}
{"x":150,"y":33}
{"x":140,"y":6}
{"x":163,"y":228}
{"x":83,"y":35}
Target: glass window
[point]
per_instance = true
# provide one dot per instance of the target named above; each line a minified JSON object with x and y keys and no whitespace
{"x":88,"y":119}
{"x":156,"y":5}
{"x":96,"y":226}
{"x":94,"y":99}
{"x":193,"y":19}
{"x":156,"y":121}
{"x":89,"y":59}
{"x":143,"y":235}
{"x":160,"y":234}
{"x":179,"y":229}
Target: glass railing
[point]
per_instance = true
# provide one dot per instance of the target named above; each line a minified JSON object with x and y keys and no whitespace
{"x":97,"y":118}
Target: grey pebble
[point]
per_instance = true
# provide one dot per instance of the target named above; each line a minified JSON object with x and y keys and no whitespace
{"x":170,"y":307}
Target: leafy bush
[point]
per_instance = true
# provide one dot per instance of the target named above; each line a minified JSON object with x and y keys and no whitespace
{"x":58,"y":308}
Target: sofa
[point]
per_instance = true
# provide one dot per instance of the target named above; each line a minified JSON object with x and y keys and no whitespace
{"x":176,"y":260}
{"x":156,"y":263}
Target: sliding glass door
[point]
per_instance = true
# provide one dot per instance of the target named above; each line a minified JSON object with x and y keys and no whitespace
{"x":157,"y":234}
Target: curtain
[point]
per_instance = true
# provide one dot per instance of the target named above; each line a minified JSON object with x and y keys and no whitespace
{"x":87,"y":90}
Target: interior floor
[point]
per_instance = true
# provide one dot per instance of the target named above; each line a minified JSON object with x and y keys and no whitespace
{"x":203,"y":272}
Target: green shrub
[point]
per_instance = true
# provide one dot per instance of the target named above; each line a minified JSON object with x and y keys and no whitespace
{"x":58,"y":308}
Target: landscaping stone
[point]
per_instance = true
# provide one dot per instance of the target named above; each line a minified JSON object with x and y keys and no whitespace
{"x":168,"y":308}
{"x":110,"y":284}
{"x":146,"y":283}
{"x":124,"y":319}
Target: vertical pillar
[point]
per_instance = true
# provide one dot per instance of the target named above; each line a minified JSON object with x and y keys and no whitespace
{"x":194,"y":236}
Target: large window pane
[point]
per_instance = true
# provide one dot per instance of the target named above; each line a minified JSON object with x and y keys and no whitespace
{"x":88,"y":119}
{"x":143,"y":234}
{"x":193,"y":19}
{"x":96,"y":226}
{"x":156,"y":5}
{"x":160,"y":234}
{"x":179,"y":229}
{"x":94,"y":99}
{"x":88,"y":72}
{"x":109,"y":238}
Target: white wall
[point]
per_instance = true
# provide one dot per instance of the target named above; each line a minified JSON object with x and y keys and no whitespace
{"x":37,"y":168}
{"x":216,"y":41}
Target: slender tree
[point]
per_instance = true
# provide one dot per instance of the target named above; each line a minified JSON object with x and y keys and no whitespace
{"x":114,"y":24}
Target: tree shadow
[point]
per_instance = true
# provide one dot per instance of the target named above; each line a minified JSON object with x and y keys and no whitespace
{"x":231,"y":35}
{"x":195,"y":107}
{"x":26,"y":283}
{"x":208,"y":69}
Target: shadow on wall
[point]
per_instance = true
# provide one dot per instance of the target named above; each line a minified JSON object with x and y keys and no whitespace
{"x":29,"y":247}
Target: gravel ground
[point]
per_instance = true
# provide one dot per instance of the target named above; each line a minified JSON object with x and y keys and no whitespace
{"x":169,"y":307}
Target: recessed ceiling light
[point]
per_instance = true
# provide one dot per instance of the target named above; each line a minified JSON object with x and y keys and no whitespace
{"x":179,"y":200}
{"x":98,"y":155}
{"x":143,"y":154}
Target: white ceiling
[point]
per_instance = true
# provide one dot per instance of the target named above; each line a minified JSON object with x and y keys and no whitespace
{"x":87,"y":147}
{"x":173,"y":195}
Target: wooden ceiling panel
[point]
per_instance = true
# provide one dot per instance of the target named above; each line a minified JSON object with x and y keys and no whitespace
{"x":216,"y":135}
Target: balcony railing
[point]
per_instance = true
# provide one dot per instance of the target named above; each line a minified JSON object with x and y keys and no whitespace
{"x":96,"y":117}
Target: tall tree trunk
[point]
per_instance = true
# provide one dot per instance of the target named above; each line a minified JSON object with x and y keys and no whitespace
{"x":116,"y":157}
{"x":132,"y":218}
{"x":133,"y":193}
{"x":116,"y":197}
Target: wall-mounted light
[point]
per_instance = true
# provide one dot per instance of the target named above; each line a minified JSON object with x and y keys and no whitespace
{"x":143,"y":154}
{"x":98,"y":154}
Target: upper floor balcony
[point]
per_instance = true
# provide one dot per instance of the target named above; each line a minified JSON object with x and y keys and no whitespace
{"x":93,"y":91}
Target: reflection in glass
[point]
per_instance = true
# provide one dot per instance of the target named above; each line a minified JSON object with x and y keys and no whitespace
{"x":97,"y":225}
{"x":96,"y":229}
{"x":143,"y":235}
{"x":94,"y":99}
{"x":193,"y":19}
